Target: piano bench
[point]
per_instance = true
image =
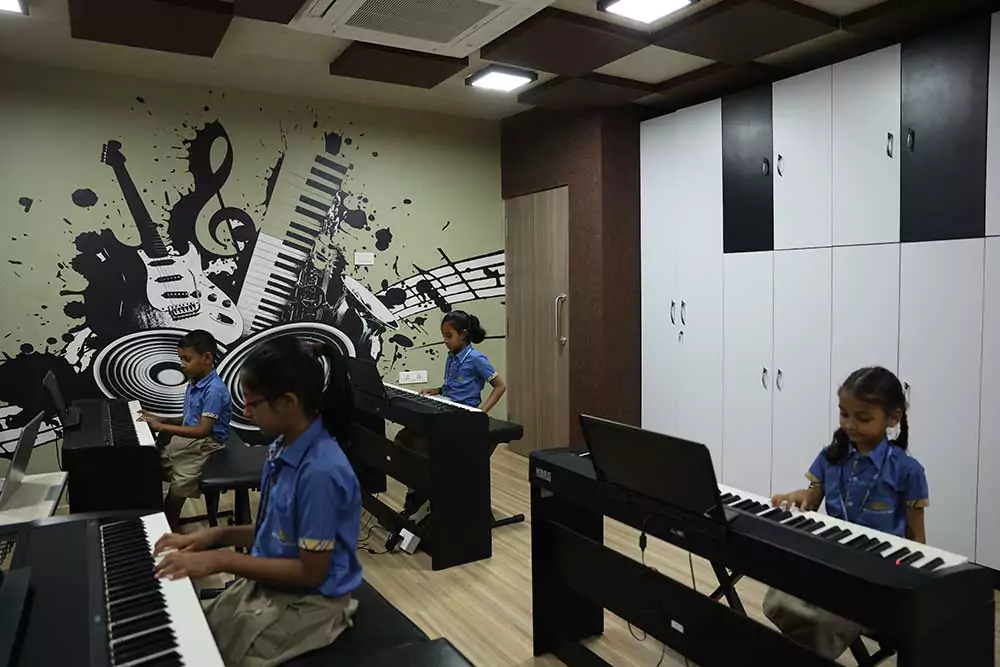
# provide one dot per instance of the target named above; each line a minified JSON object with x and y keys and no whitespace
{"x":864,"y":659}
{"x":502,"y":432}
{"x":237,"y":467}
{"x":378,"y":627}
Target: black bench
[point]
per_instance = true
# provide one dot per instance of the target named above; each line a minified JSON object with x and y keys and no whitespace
{"x":381,"y":635}
{"x":504,"y":432}
{"x":237,"y":467}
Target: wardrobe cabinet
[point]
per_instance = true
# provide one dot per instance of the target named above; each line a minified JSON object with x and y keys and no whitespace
{"x":866,"y":148}
{"x":681,"y":228}
{"x":865,"y":313}
{"x":802,"y":160}
{"x":801,"y":412}
{"x":988,"y":515}
{"x":747,"y":145}
{"x":748,"y":380}
{"x":945,"y":83}
{"x":940,"y":354}
{"x":993,"y":135}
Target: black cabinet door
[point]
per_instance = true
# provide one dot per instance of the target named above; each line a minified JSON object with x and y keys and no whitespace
{"x":945,"y":79}
{"x":747,"y":195}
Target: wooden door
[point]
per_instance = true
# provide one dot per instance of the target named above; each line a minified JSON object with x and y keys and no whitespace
{"x":865,"y":313}
{"x":866,"y":148}
{"x":801,"y":416}
{"x":940,"y":355}
{"x":945,"y":84}
{"x":749,"y":373}
{"x":802,"y":160}
{"x":538,"y":336}
{"x":748,"y":195}
{"x":988,"y":531}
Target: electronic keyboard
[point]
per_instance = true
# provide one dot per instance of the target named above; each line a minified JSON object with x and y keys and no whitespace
{"x":96,"y":601}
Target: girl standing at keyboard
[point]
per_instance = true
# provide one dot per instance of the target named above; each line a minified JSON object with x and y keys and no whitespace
{"x":293,"y":590}
{"x":466,"y":372}
{"x":868,"y":478}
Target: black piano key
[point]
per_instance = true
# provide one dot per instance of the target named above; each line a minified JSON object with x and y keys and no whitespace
{"x":172,"y":659}
{"x":757,"y":508}
{"x":828,"y":532}
{"x":866,"y":544}
{"x":726,"y":496}
{"x":783,"y":515}
{"x":912,"y":558}
{"x":771,"y":513}
{"x":899,"y":553}
{"x":732,"y":500}
{"x":932,"y":564}
{"x":743,"y":504}
{"x":143,"y":645}
{"x":856,"y":541}
{"x":818,"y":527}
{"x":878,"y":547}
{"x":137,"y":606}
{"x":797,"y":521}
{"x":838,"y":535}
{"x":807,"y":525}
{"x":140,"y":624}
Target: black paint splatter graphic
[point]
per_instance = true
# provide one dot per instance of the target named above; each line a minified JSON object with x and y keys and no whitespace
{"x":407,"y":201}
{"x":383,"y":238}
{"x":393,"y":297}
{"x":21,"y":383}
{"x":427,"y":290}
{"x":395,"y":266}
{"x":401,"y":340}
{"x":272,"y":180}
{"x":332,"y":141}
{"x":84,"y":197}
{"x":25,"y":203}
{"x":446,"y":225}
{"x":493,"y":273}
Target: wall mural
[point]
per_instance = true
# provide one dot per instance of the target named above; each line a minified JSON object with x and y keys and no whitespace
{"x":203,"y":262}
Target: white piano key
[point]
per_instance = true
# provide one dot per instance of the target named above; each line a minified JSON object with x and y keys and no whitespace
{"x":440,"y":399}
{"x":142,"y":429}
{"x":195,"y":643}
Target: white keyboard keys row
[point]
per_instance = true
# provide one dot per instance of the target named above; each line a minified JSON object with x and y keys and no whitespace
{"x":440,"y":399}
{"x":142,"y":430}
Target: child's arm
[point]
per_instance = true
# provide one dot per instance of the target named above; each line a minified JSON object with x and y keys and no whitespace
{"x":499,"y":389}
{"x":209,"y":538}
{"x":915,"y":525}
{"x":202,"y":429}
{"x":307,"y":571}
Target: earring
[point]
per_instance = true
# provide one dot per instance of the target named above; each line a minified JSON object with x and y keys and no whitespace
{"x":892,"y":432}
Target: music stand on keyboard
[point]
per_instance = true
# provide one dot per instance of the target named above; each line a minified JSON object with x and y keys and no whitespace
{"x":19,"y":464}
{"x":665,"y":476}
{"x":70,"y":416}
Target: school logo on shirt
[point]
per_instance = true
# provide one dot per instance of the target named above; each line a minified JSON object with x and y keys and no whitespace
{"x":879,"y":506}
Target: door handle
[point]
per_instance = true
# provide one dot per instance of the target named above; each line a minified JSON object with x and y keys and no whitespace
{"x":890,"y":144}
{"x":780,"y":165}
{"x":680,"y":336}
{"x":683,"y":312}
{"x":777,"y":381}
{"x":559,"y":300}
{"x":673,"y":305}
{"x":911,"y":140}
{"x":766,"y":167}
{"x":763,"y":378}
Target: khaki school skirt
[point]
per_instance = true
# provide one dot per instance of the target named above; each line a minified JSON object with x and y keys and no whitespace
{"x":808,"y":625}
{"x":256,"y":626}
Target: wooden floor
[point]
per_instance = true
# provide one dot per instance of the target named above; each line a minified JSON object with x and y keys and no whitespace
{"x":484,"y":608}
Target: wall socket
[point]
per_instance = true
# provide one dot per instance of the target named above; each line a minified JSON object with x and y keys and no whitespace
{"x":412,"y":377}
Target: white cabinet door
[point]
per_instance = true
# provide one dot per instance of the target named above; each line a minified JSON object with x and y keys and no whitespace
{"x":749,"y":374}
{"x":866,"y":148}
{"x":993,"y":135}
{"x":988,"y":531}
{"x":699,"y":283}
{"x":801,"y":413}
{"x":660,"y":367}
{"x":865,"y":312}
{"x":802,"y":160}
{"x":940,"y":350}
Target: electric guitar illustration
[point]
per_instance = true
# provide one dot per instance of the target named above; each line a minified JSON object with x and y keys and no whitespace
{"x":176,"y":285}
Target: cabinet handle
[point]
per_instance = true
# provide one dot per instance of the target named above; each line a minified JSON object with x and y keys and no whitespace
{"x":763,"y":378}
{"x":673,"y":306}
{"x":890,"y":144}
{"x":906,"y":392}
{"x":781,"y":165}
{"x":766,"y":167}
{"x":911,"y":140}
{"x":559,"y":300}
{"x":777,"y":381}
{"x":683,"y":312}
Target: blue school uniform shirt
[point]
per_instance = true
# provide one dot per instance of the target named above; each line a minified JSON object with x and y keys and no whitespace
{"x":465,"y":374}
{"x":872,"y":490}
{"x":311,"y":500}
{"x":209,"y":397}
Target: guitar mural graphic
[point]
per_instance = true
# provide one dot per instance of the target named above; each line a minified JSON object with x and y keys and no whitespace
{"x":179,"y":293}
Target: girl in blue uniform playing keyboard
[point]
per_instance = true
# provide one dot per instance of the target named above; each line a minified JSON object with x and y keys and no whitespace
{"x":868,"y":478}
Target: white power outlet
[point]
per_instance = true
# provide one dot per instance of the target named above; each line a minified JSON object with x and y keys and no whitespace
{"x":412,"y":377}
{"x":364,"y":259}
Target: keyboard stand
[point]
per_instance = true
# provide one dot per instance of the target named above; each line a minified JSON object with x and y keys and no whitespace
{"x":727,"y":587}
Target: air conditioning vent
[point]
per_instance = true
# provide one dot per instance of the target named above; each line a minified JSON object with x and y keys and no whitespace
{"x":454,"y":28}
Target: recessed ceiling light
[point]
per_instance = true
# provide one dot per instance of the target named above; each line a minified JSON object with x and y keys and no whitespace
{"x":16,"y":6}
{"x":644,"y":11}
{"x":503,"y":79}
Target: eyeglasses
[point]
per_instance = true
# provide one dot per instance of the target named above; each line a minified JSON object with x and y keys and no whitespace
{"x":254,"y":403}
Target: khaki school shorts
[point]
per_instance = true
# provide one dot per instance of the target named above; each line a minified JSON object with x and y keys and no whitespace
{"x":182,"y":460}
{"x":257,"y":626}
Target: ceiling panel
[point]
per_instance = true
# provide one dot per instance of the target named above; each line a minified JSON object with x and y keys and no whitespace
{"x":654,"y":64}
{"x":563,"y":43}
{"x":278,"y":11}
{"x":738,"y":31}
{"x":708,"y":83}
{"x":388,"y":65}
{"x":247,"y":37}
{"x":841,"y":7}
{"x":594,"y":90}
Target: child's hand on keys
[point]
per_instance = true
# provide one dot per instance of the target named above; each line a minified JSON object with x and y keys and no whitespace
{"x":193,"y":542}
{"x":180,"y":564}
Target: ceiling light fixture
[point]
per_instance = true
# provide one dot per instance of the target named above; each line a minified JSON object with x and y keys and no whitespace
{"x":15,"y":6}
{"x":503,"y":79}
{"x":644,"y":11}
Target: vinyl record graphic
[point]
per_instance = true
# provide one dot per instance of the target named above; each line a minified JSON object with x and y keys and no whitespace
{"x":144,"y":366}
{"x":310,"y":332}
